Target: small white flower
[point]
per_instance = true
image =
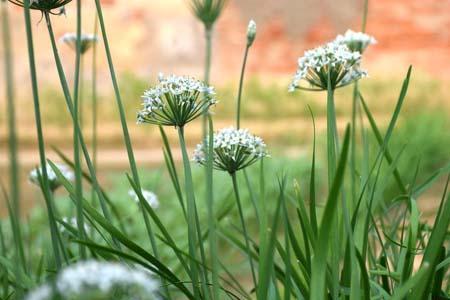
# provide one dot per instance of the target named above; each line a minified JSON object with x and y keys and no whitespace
{"x":86,"y":40}
{"x":251,"y":32}
{"x":234,"y":149}
{"x":175,"y":101}
{"x":52,"y":178}
{"x":334,"y":60}
{"x":356,"y":41}
{"x":104,"y":276}
{"x":150,"y":197}
{"x":44,"y":292}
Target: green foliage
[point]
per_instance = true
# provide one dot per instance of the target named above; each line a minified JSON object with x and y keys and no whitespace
{"x":361,"y":234}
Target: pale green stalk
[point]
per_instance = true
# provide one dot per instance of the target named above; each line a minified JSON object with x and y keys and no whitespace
{"x":241,"y":83}
{"x":244,"y":227}
{"x":42,"y":157}
{"x":191,"y":213}
{"x":76,"y":141}
{"x":75,"y":122}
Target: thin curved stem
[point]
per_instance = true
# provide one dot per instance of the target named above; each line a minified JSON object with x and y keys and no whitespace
{"x":37,"y":114}
{"x":244,"y":227}
{"x":241,"y":84}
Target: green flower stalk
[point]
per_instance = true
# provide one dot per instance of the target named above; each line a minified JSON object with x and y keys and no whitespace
{"x":234,"y":150}
{"x":176,"y":101}
{"x":251,"y":35}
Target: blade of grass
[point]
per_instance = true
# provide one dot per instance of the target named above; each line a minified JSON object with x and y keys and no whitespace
{"x":319,"y":261}
{"x":40,"y":135}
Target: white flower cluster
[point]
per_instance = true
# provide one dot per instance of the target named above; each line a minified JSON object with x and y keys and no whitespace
{"x":150,"y":197}
{"x":77,"y":280}
{"x":175,"y":93}
{"x":334,"y":57}
{"x":52,"y":178}
{"x":233,"y":149}
{"x":356,"y":41}
{"x":86,"y":41}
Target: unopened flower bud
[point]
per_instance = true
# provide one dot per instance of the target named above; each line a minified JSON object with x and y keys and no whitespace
{"x":251,"y":32}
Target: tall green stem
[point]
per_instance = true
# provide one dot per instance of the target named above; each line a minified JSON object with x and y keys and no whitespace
{"x":76,"y":141}
{"x":241,"y":84}
{"x":190,"y":198}
{"x":331,"y":136}
{"x":94,"y":98}
{"x":37,"y":113}
{"x":70,"y":107}
{"x":244,"y":227}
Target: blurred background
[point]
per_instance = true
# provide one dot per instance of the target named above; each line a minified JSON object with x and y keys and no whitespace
{"x":150,"y":36}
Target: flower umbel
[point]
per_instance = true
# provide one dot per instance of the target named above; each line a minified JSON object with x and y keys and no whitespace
{"x":356,"y":41}
{"x":150,"y":197}
{"x":175,"y":101}
{"x":207,"y":11}
{"x":335,"y":60}
{"x":44,"y":5}
{"x":234,"y":149}
{"x":86,"y":41}
{"x":98,"y":280}
{"x":53,"y":180}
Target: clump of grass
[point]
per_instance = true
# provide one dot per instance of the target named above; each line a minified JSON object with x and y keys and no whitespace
{"x":306,"y":240}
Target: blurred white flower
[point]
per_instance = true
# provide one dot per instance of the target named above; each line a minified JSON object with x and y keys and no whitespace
{"x":44,"y":292}
{"x":101,"y":280}
{"x":103,"y":276}
{"x":233,"y":149}
{"x":175,"y":101}
{"x":356,"y":41}
{"x":334,"y":60}
{"x":86,"y":40}
{"x":52,"y":178}
{"x":150,"y":197}
{"x":251,"y":32}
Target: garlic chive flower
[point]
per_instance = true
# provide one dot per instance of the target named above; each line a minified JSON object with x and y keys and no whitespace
{"x":175,"y":101}
{"x":333,"y":59}
{"x":234,"y":149}
{"x":150,"y":197}
{"x":98,"y":280}
{"x":356,"y":41}
{"x":251,"y":33}
{"x":47,"y":6}
{"x":86,"y":41}
{"x":53,"y":180}
{"x":207,"y":11}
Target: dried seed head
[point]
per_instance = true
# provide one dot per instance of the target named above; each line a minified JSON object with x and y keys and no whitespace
{"x":47,"y":6}
{"x":207,"y":11}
